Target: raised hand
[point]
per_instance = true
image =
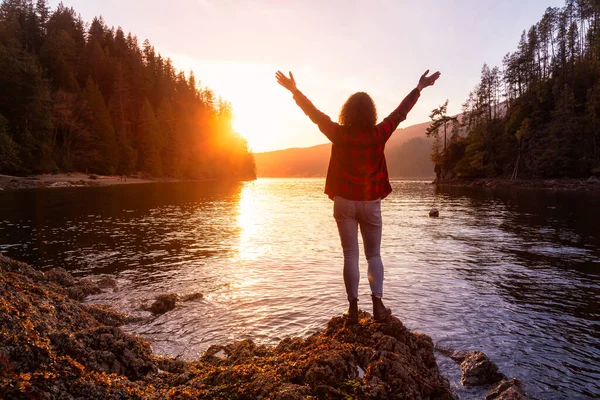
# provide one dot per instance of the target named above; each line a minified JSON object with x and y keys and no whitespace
{"x":288,"y":83}
{"x":425,"y":80}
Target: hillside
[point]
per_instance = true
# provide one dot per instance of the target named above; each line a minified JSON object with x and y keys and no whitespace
{"x":407,"y":154}
{"x":537,"y":115}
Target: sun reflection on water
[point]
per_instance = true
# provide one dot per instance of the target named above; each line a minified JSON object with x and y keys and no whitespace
{"x":248,"y":222}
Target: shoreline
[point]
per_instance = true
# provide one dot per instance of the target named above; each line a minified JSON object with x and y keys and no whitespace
{"x":53,"y":345}
{"x":591,"y":184}
{"x":78,"y":179}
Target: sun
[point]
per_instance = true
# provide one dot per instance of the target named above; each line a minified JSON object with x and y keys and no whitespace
{"x":246,"y":125}
{"x":262,"y":111}
{"x":253,"y":121}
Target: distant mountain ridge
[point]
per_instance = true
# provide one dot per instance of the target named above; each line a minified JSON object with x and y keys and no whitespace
{"x":407,"y":154}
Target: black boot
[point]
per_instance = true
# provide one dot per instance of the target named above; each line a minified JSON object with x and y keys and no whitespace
{"x":380,"y":312}
{"x":352,"y":314}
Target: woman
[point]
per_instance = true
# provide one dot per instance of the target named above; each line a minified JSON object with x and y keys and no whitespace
{"x":357,"y":180}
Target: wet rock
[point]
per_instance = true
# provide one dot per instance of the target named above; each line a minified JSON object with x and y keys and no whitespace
{"x":167,"y":302}
{"x":107,"y":282}
{"x":163,"y":303}
{"x":60,"y":276}
{"x":507,"y":390}
{"x":108,"y":316}
{"x":192,"y":297}
{"x":477,"y":370}
{"x":459,"y":355}
{"x":82,"y":289}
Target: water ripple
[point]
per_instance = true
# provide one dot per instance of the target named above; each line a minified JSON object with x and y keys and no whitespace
{"x":512,"y":273}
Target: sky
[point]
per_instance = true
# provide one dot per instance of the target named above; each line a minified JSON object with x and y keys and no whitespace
{"x":334,"y":48}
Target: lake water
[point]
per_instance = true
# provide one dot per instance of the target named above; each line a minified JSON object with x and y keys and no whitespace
{"x":514,"y":273}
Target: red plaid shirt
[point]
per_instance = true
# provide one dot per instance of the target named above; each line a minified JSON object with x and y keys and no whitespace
{"x":357,"y":168}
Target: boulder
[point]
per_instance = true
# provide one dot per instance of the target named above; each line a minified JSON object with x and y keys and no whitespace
{"x":163,"y":303}
{"x":193,"y":296}
{"x":478,"y":370}
{"x":507,"y":390}
{"x":107,"y":282}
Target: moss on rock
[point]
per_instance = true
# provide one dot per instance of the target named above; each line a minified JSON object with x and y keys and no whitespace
{"x":53,"y":346}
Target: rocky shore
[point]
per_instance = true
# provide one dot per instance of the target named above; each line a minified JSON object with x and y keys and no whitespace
{"x":52,"y":346}
{"x":9,"y":182}
{"x":591,"y":184}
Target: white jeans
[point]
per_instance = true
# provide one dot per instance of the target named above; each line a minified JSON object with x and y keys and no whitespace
{"x":349,"y":215}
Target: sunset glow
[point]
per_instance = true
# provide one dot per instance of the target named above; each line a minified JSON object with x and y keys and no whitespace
{"x":255,"y":121}
{"x":250,"y":89}
{"x":247,"y":223}
{"x":235,"y":48}
{"x":210,"y":199}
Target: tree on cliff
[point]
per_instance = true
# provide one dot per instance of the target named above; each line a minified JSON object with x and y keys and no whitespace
{"x":440,"y":120}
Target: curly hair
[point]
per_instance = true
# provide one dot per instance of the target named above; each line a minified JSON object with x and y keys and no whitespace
{"x":358,"y":112}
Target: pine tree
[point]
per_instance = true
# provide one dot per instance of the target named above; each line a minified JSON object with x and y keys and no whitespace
{"x":9,"y":150}
{"x":149,"y":141}
{"x":57,"y":75}
{"x":68,"y":130}
{"x":168,"y":142}
{"x":121,"y":108}
{"x":25,"y":99}
{"x":440,"y":120}
{"x":102,"y":145}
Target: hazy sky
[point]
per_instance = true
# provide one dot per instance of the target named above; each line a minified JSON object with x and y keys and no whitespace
{"x":333,"y":47}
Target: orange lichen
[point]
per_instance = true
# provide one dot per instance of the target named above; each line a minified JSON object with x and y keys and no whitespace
{"x":52,"y":343}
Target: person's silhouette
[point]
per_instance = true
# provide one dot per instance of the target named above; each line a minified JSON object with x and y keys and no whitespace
{"x":357,"y":180}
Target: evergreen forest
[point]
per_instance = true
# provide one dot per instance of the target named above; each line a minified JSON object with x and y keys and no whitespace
{"x":84,"y":97}
{"x":536,"y":116}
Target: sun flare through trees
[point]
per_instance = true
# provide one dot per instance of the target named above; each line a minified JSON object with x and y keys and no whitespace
{"x":86,"y":97}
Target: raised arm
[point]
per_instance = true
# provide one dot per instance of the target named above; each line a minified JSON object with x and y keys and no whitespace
{"x":391,"y":122}
{"x":325,"y":124}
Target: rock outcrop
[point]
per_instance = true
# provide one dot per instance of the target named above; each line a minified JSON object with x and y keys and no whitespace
{"x":166,"y":302}
{"x":53,"y":346}
{"x":591,"y":184}
{"x":507,"y":390}
{"x":478,"y":370}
